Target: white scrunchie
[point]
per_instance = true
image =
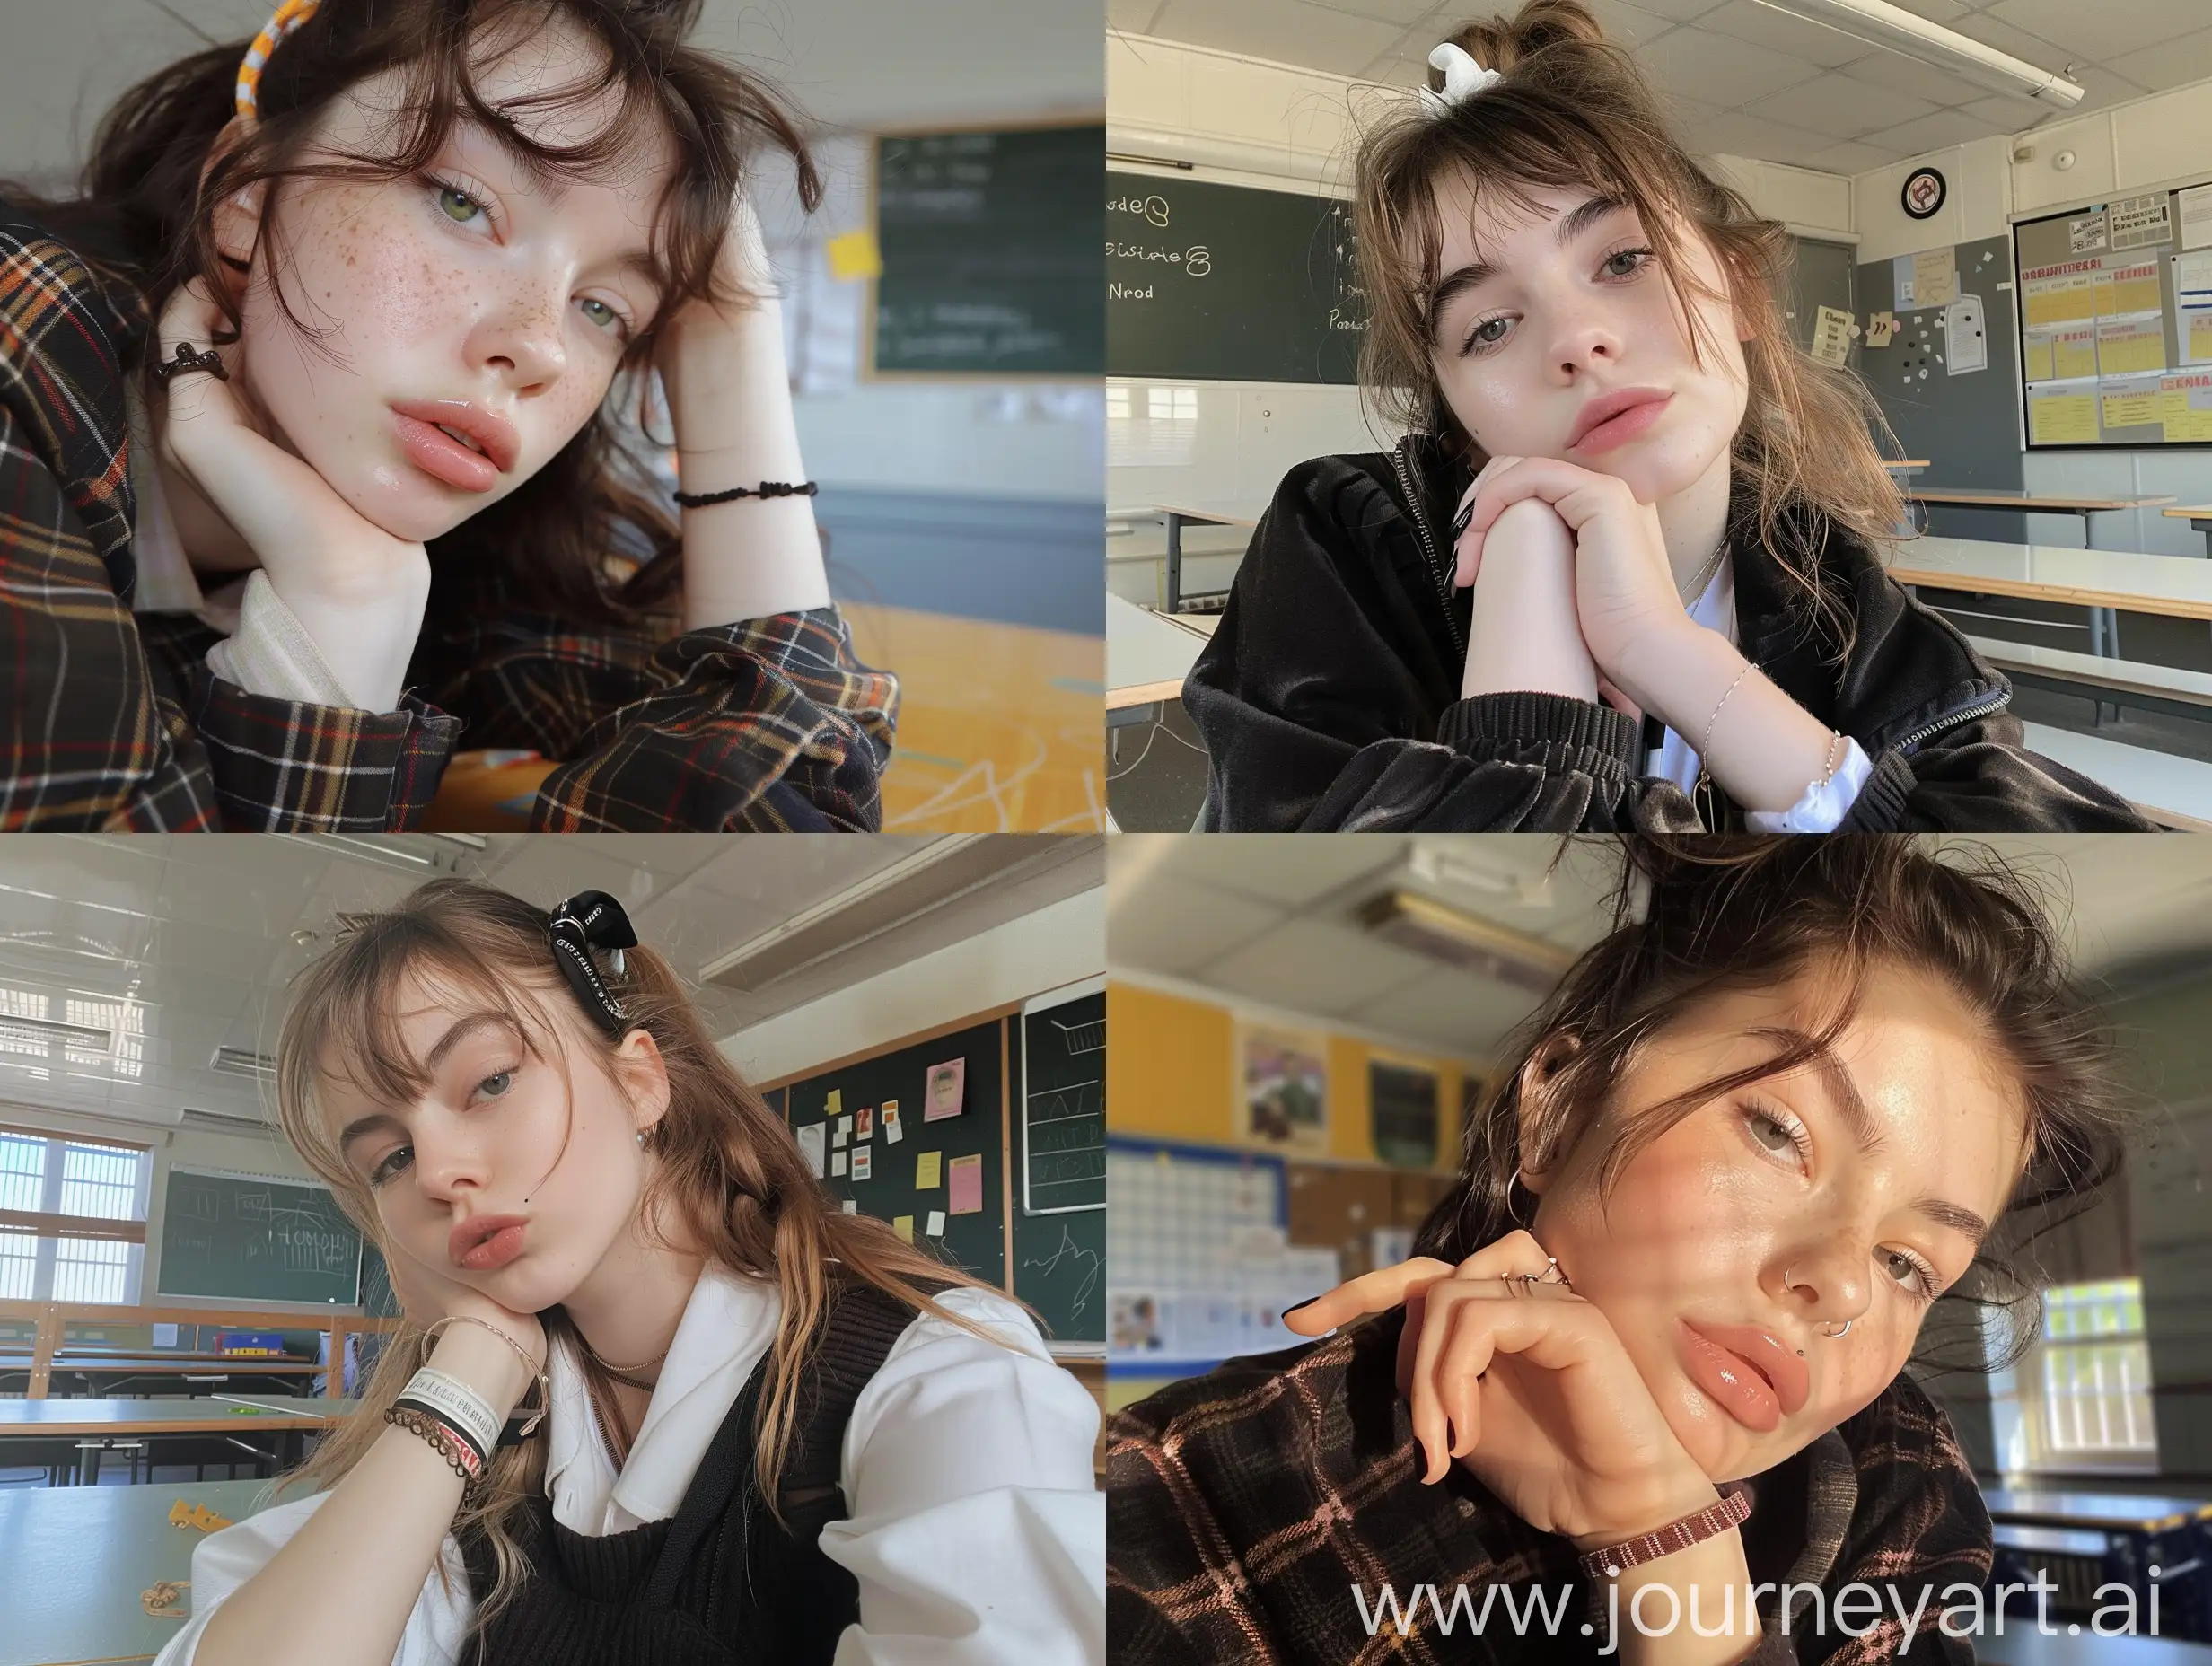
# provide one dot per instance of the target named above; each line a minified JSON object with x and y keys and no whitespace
{"x":1462,"y":79}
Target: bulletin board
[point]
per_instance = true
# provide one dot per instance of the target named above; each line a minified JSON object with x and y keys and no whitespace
{"x":2116,"y":322}
{"x":975,"y":1240}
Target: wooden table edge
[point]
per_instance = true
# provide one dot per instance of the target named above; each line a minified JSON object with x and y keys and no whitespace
{"x":1144,"y":694}
{"x":2074,"y":595}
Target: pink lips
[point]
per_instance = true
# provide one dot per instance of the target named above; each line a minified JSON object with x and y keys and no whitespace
{"x":1746,"y":1372}
{"x":417,"y":423}
{"x":1614,"y":420}
{"x":487,"y":1242}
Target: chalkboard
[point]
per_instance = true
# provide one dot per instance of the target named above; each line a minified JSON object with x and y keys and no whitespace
{"x":1059,"y":1221}
{"x":976,"y":1242}
{"x":240,"y":1238}
{"x":989,"y":246}
{"x":1226,"y":282}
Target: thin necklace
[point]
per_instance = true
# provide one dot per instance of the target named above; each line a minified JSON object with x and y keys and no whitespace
{"x":1705,"y":576}
{"x":625,"y":1370}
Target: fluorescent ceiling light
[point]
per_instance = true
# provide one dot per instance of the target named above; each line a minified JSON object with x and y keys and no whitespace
{"x":87,"y":1036}
{"x":1879,"y":24}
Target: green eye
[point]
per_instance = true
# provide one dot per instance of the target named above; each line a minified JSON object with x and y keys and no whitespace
{"x":606,"y":314}
{"x":448,"y":196}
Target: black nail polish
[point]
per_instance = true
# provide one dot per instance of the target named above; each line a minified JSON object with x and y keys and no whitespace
{"x":1460,"y":521}
{"x":1309,"y":1302}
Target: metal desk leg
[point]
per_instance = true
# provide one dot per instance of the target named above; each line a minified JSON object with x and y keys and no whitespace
{"x":1174,"y":562}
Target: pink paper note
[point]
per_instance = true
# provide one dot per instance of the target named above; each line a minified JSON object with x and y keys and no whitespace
{"x":964,"y":1176}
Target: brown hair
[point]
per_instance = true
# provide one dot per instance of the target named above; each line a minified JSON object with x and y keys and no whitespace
{"x":723,"y":1163}
{"x":1574,"y":112}
{"x":145,"y":218}
{"x":1725,"y":913}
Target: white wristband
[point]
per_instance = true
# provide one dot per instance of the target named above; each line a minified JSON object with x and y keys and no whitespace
{"x":454,"y":1398}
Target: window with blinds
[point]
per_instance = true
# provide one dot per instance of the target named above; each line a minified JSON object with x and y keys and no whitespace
{"x":52,"y":1189}
{"x":2081,"y":1399}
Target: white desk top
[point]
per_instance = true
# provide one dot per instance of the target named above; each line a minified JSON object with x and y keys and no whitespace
{"x":1147,"y":654}
{"x":2179,"y":586}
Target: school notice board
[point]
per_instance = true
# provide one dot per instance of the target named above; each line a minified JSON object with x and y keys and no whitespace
{"x":988,"y":244}
{"x":1059,"y":1220}
{"x":1230,"y":284}
{"x":2116,"y":321}
{"x":242,"y":1237}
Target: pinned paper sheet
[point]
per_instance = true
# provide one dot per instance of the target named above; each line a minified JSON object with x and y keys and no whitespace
{"x":1963,"y":335}
{"x":929,"y":1174}
{"x":854,"y":255}
{"x":935,"y":1228}
{"x":837,"y":1135}
{"x":903,"y":1224}
{"x":863,"y":1123}
{"x":837,"y":1164}
{"x":966,"y":1184}
{"x":862,"y":1164}
{"x":1880,"y":328}
{"x":892,"y":1132}
{"x":835,"y":1104}
{"x":1831,"y":336}
{"x":811,"y":1147}
{"x":1935,"y":278}
{"x":851,"y":1207}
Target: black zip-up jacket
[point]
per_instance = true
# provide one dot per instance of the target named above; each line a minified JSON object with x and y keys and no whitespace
{"x":1329,"y":697}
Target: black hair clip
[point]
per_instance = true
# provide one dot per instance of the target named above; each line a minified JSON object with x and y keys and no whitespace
{"x":591,"y":919}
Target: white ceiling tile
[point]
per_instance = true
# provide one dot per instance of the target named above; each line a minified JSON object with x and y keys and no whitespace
{"x":1313,"y":966}
{"x":1937,"y":132}
{"x":2101,"y":31}
{"x":1840,"y":107}
{"x":1939,"y":86}
{"x":1284,"y":31}
{"x":2170,"y":64}
{"x":1451,"y":1012}
{"x":1680,"y":11}
{"x":1856,"y":156}
{"x":1636,"y":25}
{"x":1747,"y":19}
{"x":1735,"y":134}
{"x":1400,"y":12}
{"x":1934,"y":11}
{"x":1719,"y":69}
{"x":1174,"y":926}
{"x":1299,"y":869}
{"x":2004,"y":115}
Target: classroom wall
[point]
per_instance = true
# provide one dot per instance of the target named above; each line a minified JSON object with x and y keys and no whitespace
{"x":1060,"y":944}
{"x":2156,"y":142}
{"x":1172,"y":1070}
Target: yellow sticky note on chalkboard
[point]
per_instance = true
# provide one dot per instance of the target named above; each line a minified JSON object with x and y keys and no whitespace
{"x":927,"y":1171}
{"x":903,"y":1224}
{"x":855,"y":254}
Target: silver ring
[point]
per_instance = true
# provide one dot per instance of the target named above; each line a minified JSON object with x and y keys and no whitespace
{"x":1837,"y":1336}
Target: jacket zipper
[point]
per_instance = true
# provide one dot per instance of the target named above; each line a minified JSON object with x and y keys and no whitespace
{"x":1428,"y":546}
{"x":1965,"y":715}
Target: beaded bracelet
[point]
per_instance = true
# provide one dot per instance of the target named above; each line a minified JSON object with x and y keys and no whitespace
{"x":767,"y":489}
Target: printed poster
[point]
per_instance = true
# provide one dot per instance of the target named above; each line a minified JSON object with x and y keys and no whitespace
{"x":2085,"y":235}
{"x":2195,"y":204}
{"x":2063,"y":419}
{"x":1935,"y":278}
{"x":964,"y":1182}
{"x":1284,"y":1094}
{"x":863,"y":1162}
{"x":1966,"y":343}
{"x":1831,"y":336}
{"x":811,"y":1147}
{"x":2141,"y":222}
{"x":946,"y":1093}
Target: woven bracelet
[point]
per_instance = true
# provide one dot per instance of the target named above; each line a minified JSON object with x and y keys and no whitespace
{"x":767,"y":489}
{"x":1732,"y":1509}
{"x":475,"y":1480}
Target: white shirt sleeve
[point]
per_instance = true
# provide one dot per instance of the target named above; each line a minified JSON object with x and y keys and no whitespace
{"x":272,"y":654}
{"x":227,"y":1559}
{"x":977,"y":1533}
{"x":1821,"y":807}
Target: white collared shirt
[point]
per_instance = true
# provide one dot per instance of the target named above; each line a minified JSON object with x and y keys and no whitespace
{"x":977,"y":1532}
{"x":1821,"y":808}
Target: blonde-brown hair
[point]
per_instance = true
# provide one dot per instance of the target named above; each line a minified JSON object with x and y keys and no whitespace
{"x":725,"y":1163}
{"x":1574,"y":112}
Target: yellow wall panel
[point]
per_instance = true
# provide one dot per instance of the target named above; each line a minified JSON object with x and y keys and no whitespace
{"x":1167,"y":1067}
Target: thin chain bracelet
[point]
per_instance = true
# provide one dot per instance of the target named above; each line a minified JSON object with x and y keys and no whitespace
{"x":474,"y":1483}
{"x":767,"y":489}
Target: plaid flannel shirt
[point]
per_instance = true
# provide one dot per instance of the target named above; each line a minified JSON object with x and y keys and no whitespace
{"x":112,"y":721}
{"x":1245,"y":1505}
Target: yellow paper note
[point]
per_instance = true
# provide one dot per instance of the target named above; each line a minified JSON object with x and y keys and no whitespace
{"x":2063,"y":419}
{"x":2074,"y":352}
{"x":2129,"y":410}
{"x":2036,"y":360}
{"x":2130,"y":349}
{"x":928,"y":1170}
{"x":903,"y":1224}
{"x":2128,"y":289}
{"x":854,"y":255}
{"x":1934,"y":278}
{"x":2059,"y":300}
{"x":2199,"y":335}
{"x":837,"y":1102}
{"x":1880,"y":328}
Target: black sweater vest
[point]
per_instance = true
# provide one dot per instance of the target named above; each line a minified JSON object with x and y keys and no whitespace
{"x":720,"y":1582}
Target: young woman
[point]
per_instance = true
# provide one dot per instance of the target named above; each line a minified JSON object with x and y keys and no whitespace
{"x":1733,"y":1161}
{"x":655,"y":1399}
{"x":1624,"y":570}
{"x":312,"y":468}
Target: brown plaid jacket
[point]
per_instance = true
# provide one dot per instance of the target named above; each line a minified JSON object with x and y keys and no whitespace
{"x":1245,"y":1505}
{"x":112,"y":721}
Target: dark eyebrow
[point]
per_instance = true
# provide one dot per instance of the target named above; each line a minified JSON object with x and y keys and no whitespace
{"x":1843,"y":1096}
{"x":551,"y":185}
{"x":459,"y":1031}
{"x":1571,"y":225}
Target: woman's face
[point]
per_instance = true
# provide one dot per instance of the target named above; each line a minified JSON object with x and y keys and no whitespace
{"x":498,"y":1132}
{"x":472,"y":295}
{"x":1911,"y":1138}
{"x":1535,"y":320}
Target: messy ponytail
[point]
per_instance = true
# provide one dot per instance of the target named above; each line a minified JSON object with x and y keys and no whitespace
{"x":1575,"y":111}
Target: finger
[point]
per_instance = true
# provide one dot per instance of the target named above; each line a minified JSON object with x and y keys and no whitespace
{"x":1459,"y":1364}
{"x":1372,"y":1292}
{"x":1431,"y":1422}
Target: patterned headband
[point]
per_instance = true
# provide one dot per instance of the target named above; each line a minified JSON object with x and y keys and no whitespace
{"x":591,"y":919}
{"x":289,"y":16}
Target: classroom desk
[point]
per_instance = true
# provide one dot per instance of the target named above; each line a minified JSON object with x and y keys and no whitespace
{"x":2147,"y":1511}
{"x":2034,"y":503}
{"x":2200,"y":519}
{"x":112,"y":1378}
{"x":1177,"y":516}
{"x":96,"y":1426}
{"x":78,"y":1558}
{"x":2103,"y":580}
{"x":1147,"y":654}
{"x":2030,"y":1647}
